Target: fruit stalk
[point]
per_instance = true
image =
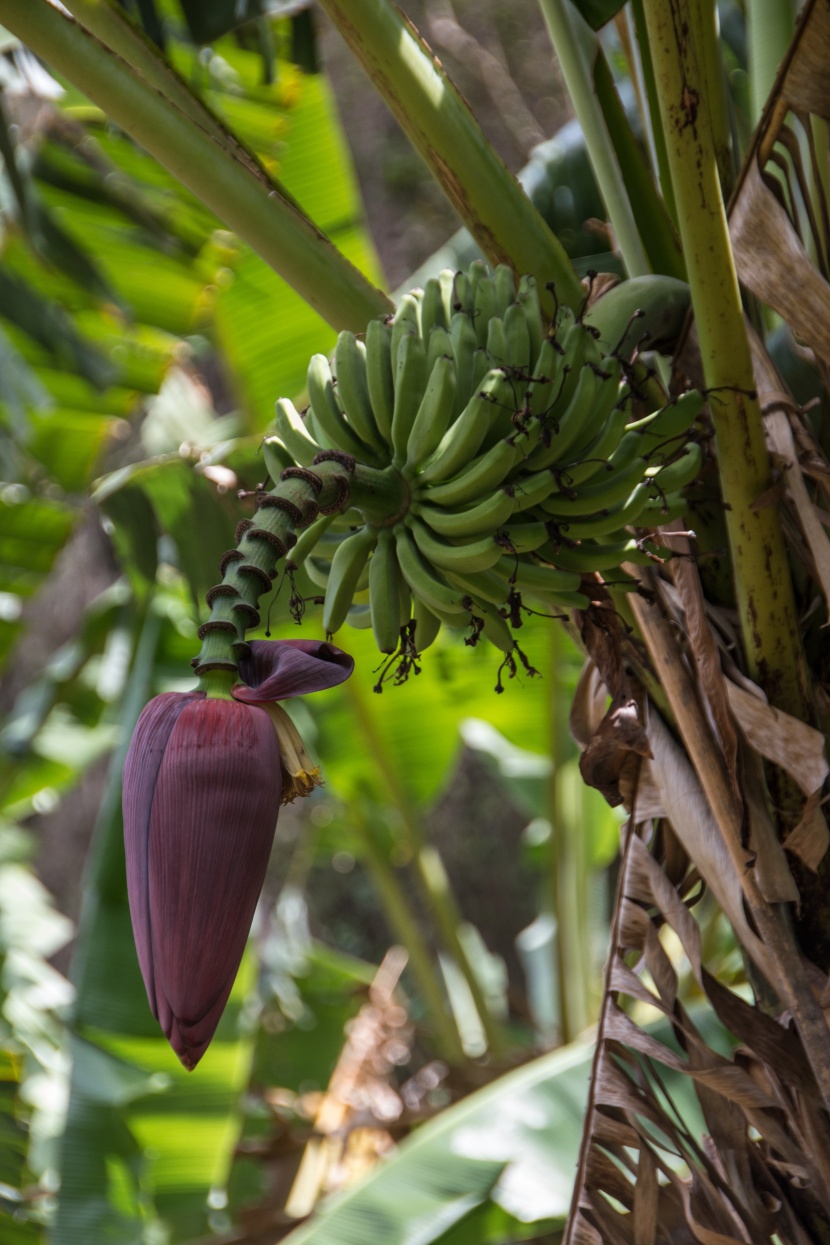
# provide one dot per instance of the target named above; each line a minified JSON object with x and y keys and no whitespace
{"x":329,"y":485}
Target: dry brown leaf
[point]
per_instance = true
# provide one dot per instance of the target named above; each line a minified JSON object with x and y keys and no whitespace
{"x":791,"y":744}
{"x":771,"y":258}
{"x":706,"y":656}
{"x":619,"y":737}
{"x":780,"y":438}
{"x":589,"y":704}
{"x":693,"y":823}
{"x":810,"y":839}
{"x":775,"y":881}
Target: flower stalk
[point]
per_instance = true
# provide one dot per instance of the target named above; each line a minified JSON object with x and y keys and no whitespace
{"x":303,"y":493}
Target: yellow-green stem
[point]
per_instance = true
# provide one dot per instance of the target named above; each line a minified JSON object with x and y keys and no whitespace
{"x":406,"y":929}
{"x":429,"y":869}
{"x":764,"y":595}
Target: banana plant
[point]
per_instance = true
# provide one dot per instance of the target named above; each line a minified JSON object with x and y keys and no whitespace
{"x":509,"y":439}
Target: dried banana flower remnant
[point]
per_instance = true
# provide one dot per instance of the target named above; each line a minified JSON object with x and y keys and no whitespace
{"x":203,"y":782}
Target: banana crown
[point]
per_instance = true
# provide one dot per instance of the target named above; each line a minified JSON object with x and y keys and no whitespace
{"x":533,"y":461}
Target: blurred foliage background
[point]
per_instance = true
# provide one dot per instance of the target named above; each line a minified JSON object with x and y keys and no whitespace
{"x":141,"y":350}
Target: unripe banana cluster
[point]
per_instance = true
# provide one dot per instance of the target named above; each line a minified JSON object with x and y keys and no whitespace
{"x":523,"y":464}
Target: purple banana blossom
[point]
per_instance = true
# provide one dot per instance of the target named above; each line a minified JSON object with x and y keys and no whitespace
{"x":203,"y":782}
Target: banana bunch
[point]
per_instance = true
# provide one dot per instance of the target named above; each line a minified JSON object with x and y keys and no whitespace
{"x":525,"y":468}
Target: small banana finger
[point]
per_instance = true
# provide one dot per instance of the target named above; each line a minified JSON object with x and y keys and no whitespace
{"x":347,"y":566}
{"x":353,"y":389}
{"x":291,"y":430}
{"x":380,"y":376}
{"x":385,"y":593}
{"x":433,"y":415}
{"x":476,"y":555}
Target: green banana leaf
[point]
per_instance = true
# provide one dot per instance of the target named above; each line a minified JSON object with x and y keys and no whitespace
{"x":497,"y":1166}
{"x":414,"y":728}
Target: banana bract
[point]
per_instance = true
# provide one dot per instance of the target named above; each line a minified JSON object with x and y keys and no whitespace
{"x":531,"y":463}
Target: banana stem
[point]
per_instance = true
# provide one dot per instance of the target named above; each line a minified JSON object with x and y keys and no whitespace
{"x":249,"y":569}
{"x":565,"y":874}
{"x":406,"y":930}
{"x":441,"y":127}
{"x":204,"y":156}
{"x":429,"y":869}
{"x":769,"y":623}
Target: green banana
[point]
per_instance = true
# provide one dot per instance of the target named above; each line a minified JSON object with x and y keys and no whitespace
{"x":405,"y":321}
{"x":482,"y":585}
{"x":359,"y":617}
{"x":410,"y":382}
{"x":464,"y":293}
{"x":347,"y":566}
{"x":432,"y":417}
{"x":526,"y":537}
{"x":276,"y":457}
{"x":385,"y":593}
{"x":426,"y":584}
{"x":531,"y":490}
{"x":534,"y":577}
{"x":595,"y":497}
{"x":548,"y":378}
{"x":661,"y":510}
{"x":495,"y":628}
{"x":484,"y":307}
{"x":446,"y":282}
{"x":528,"y":299}
{"x":505,"y":287}
{"x":291,"y":430}
{"x":608,"y":397}
{"x":490,"y":514}
{"x":567,"y":426}
{"x":559,"y":600}
{"x":663,"y":301}
{"x":481,"y":366}
{"x":438,"y":344}
{"x":464,"y":345}
{"x":595,"y":458}
{"x":328,"y":414}
{"x":427,"y":625}
{"x":476,"y":555}
{"x":380,"y":376}
{"x":308,"y":540}
{"x":592,"y":401}
{"x":673,"y":420}
{"x":353,"y":389}
{"x":574,"y":341}
{"x":481,"y":476}
{"x":592,"y":557}
{"x":517,"y":339}
{"x":432,"y":306}
{"x":496,"y":343}
{"x":463,"y":438}
{"x":677,"y":474}
{"x":613,"y":521}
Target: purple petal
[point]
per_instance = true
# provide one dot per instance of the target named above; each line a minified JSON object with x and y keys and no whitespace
{"x":278,"y":669}
{"x":212,"y":824}
{"x":141,"y":767}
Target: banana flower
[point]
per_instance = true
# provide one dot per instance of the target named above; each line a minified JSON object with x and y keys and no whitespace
{"x":204,"y":779}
